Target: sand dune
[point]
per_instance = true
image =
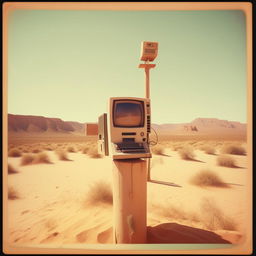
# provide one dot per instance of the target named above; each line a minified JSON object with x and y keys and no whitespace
{"x":53,"y":208}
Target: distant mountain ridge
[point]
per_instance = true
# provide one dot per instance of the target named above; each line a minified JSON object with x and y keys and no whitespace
{"x":40,"y":124}
{"x":206,"y":125}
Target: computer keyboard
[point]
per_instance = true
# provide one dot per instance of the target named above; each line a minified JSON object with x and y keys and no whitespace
{"x":131,"y":148}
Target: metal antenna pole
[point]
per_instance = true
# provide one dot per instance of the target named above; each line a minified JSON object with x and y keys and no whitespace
{"x":147,"y":68}
{"x":147,"y":80}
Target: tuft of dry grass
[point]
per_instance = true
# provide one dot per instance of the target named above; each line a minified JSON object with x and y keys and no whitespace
{"x":85,"y":149}
{"x":79,"y":147}
{"x":13,"y":193}
{"x":62,"y":155}
{"x":71,"y":149}
{"x":35,"y":159}
{"x":210,"y":216}
{"x":14,"y":152}
{"x":171,"y":211}
{"x":27,"y":159}
{"x":209,"y":149}
{"x":207,"y":178}
{"x":48,"y":148}
{"x":11,"y":169}
{"x":36,"y":150}
{"x":100,"y":192}
{"x":213,"y":218}
{"x":158,"y":150}
{"x":10,"y":146}
{"x":176,"y":146}
{"x":42,"y":158}
{"x":233,"y":149}
{"x":225,"y":160}
{"x":93,"y":153}
{"x":187,"y":153}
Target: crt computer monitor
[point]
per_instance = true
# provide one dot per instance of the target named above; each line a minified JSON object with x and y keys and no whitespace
{"x":129,"y":119}
{"x":128,"y":113}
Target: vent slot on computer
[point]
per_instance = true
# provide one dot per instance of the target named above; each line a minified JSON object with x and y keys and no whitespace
{"x":148,"y":124}
{"x":128,"y":133}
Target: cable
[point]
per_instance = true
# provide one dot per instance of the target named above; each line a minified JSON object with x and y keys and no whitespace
{"x":153,"y":143}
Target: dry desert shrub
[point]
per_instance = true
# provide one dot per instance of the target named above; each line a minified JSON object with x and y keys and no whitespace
{"x":27,"y":159}
{"x":174,"y":212}
{"x":192,"y":142}
{"x":59,"y":146}
{"x":36,"y":150}
{"x":35,"y":159}
{"x":11,"y":169}
{"x":93,"y":153}
{"x":209,"y":149}
{"x":177,"y":146}
{"x":225,"y":160}
{"x":21,"y":148}
{"x":62,"y":155}
{"x":13,"y":193}
{"x":187,"y":153}
{"x":27,"y":149}
{"x":207,"y":178}
{"x":71,"y":149}
{"x":79,"y":147}
{"x":233,"y":149}
{"x":213,"y":218}
{"x":14,"y":152}
{"x":85,"y":149}
{"x":48,"y":148}
{"x":198,"y":144}
{"x":100,"y":192}
{"x":166,"y":144}
{"x":158,"y":150}
{"x":42,"y":158}
{"x":10,"y":146}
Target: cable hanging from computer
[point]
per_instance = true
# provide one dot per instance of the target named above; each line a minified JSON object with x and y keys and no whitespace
{"x":153,"y":143}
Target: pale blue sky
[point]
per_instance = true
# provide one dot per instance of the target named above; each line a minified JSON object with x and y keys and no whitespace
{"x":67,"y":64}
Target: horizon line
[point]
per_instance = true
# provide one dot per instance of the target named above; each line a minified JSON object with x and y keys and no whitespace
{"x":152,"y":122}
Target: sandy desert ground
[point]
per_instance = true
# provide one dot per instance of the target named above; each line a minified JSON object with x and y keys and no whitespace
{"x":62,"y":202}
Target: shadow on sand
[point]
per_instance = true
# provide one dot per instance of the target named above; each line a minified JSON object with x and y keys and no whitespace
{"x":164,"y":183}
{"x":164,"y":155}
{"x":173,"y":233}
{"x":194,"y":160}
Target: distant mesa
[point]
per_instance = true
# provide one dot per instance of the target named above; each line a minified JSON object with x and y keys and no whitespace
{"x":202,"y":125}
{"x":40,"y":124}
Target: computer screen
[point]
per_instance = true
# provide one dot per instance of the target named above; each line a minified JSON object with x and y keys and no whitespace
{"x":128,"y":113}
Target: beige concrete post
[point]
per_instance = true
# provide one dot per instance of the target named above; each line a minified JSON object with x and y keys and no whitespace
{"x":130,"y":201}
